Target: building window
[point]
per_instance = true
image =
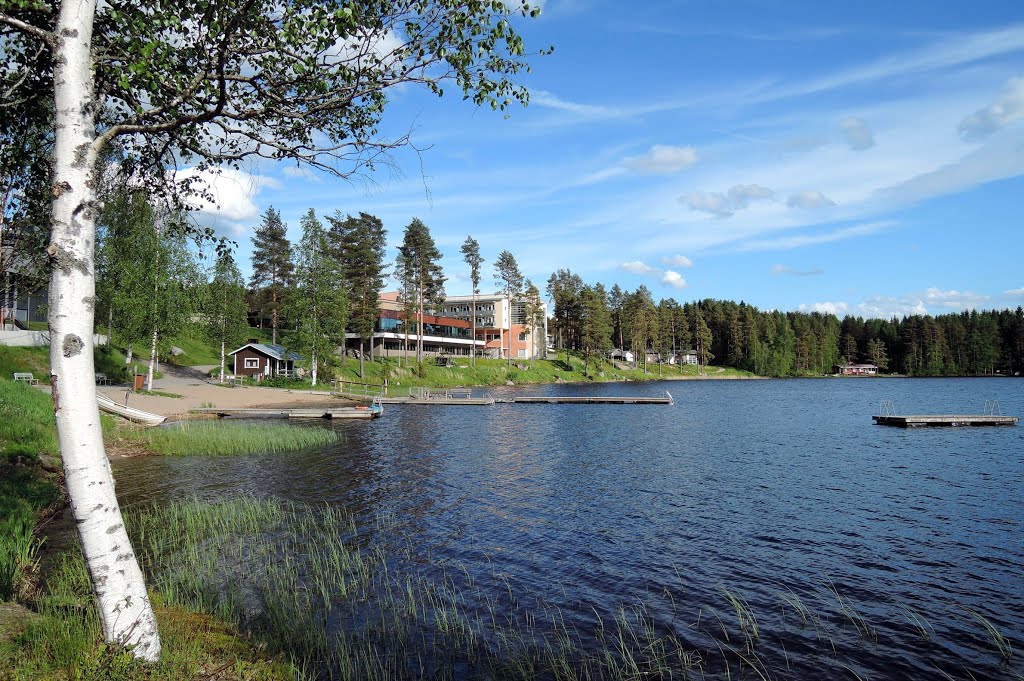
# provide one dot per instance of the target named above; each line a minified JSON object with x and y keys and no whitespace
{"x":252,"y":363}
{"x":522,"y":336}
{"x":522,"y":352}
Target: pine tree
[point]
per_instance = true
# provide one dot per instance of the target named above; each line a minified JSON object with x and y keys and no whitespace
{"x":471,"y":254}
{"x":506,"y":274}
{"x":534,"y":319}
{"x":272,"y":267}
{"x":360,"y":245}
{"x":595,"y":324}
{"x":418,"y":262}
{"x":702,"y":339}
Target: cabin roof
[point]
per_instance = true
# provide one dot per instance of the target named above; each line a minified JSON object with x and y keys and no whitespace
{"x":275,"y":351}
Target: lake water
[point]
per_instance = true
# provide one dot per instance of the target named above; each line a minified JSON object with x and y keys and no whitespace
{"x":780,"y":492}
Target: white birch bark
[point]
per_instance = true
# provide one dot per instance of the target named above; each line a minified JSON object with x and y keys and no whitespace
{"x":313,"y":368}
{"x":125,"y":612}
{"x":152,"y":361}
{"x":222,"y":361}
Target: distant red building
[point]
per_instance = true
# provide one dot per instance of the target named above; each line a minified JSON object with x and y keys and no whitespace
{"x":852,"y":369}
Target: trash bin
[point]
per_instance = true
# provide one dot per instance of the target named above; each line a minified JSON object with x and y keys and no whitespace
{"x":140,"y":381}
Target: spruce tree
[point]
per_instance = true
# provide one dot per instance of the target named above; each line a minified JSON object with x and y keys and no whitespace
{"x":272,"y":267}
{"x":534,"y":318}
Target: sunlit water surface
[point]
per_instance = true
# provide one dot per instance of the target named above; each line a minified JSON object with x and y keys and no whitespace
{"x":764,"y":488}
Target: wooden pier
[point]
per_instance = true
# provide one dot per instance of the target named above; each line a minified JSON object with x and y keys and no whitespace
{"x":936,"y":420}
{"x":438,"y":401}
{"x":305,"y":413}
{"x":590,"y":400}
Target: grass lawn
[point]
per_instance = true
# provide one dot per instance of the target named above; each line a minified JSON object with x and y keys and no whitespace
{"x":497,"y":372}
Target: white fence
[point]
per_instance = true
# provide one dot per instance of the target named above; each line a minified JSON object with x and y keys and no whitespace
{"x":37,"y":338}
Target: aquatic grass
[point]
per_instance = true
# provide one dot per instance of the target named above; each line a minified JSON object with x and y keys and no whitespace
{"x":227,"y":438}
{"x":745,"y":617}
{"x":917,"y":621}
{"x":353,"y":601}
{"x":1001,"y":643}
{"x":850,"y":614}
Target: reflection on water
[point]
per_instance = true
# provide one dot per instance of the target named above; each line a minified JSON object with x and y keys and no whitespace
{"x":780,"y":491}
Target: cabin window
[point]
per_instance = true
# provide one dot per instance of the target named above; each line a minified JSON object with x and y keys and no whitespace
{"x":252,"y":363}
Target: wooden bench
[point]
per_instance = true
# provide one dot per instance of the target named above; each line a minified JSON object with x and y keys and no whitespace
{"x":460,"y":393}
{"x":26,"y":376}
{"x":101,"y":378}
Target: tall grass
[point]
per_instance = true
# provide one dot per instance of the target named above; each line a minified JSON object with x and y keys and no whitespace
{"x":230,"y":437}
{"x":345,"y":603}
{"x":27,"y":424}
{"x":63,"y":640}
{"x":26,"y":430}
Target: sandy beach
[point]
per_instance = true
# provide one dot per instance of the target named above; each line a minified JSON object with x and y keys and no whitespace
{"x":197,"y":391}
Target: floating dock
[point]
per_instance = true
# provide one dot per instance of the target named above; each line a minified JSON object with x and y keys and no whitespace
{"x":307,"y":413}
{"x":936,"y":420}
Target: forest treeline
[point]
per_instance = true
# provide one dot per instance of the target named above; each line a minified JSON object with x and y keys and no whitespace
{"x":591,"y":319}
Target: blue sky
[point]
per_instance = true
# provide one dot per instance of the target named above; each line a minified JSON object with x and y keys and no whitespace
{"x":864,"y":159}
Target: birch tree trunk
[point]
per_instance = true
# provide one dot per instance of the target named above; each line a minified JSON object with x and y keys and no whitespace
{"x":152,"y":361}
{"x":313,"y":369}
{"x":222,"y":348}
{"x":125,"y":612}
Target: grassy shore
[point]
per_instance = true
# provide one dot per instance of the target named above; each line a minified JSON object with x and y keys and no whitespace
{"x":497,"y":372}
{"x":49,"y":629}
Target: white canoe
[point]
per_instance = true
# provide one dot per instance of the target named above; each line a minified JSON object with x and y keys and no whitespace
{"x":131,"y":413}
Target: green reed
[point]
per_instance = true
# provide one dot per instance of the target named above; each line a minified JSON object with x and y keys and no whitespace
{"x":226,"y":438}
{"x":311,"y":586}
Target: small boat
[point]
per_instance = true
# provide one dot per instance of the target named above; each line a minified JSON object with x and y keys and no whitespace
{"x":131,"y":413}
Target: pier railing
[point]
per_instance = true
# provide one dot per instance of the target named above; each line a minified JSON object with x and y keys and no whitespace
{"x":433,"y":394}
{"x":360,"y":389}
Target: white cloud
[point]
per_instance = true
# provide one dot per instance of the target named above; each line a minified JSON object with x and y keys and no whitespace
{"x":303,"y":172}
{"x":667,"y":277}
{"x":783,"y":269}
{"x":638,"y":267}
{"x":677,"y":261}
{"x":918,"y":303}
{"x":230,"y":195}
{"x":953,"y":299}
{"x":838,"y":308}
{"x":725,"y":204}
{"x":997,"y":159}
{"x":858,"y":135}
{"x":800,"y":240}
{"x":663,"y":159}
{"x":809,"y":200}
{"x":549,"y":100}
{"x":1015,"y":292}
{"x":1008,"y":109}
{"x":673,"y":279}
